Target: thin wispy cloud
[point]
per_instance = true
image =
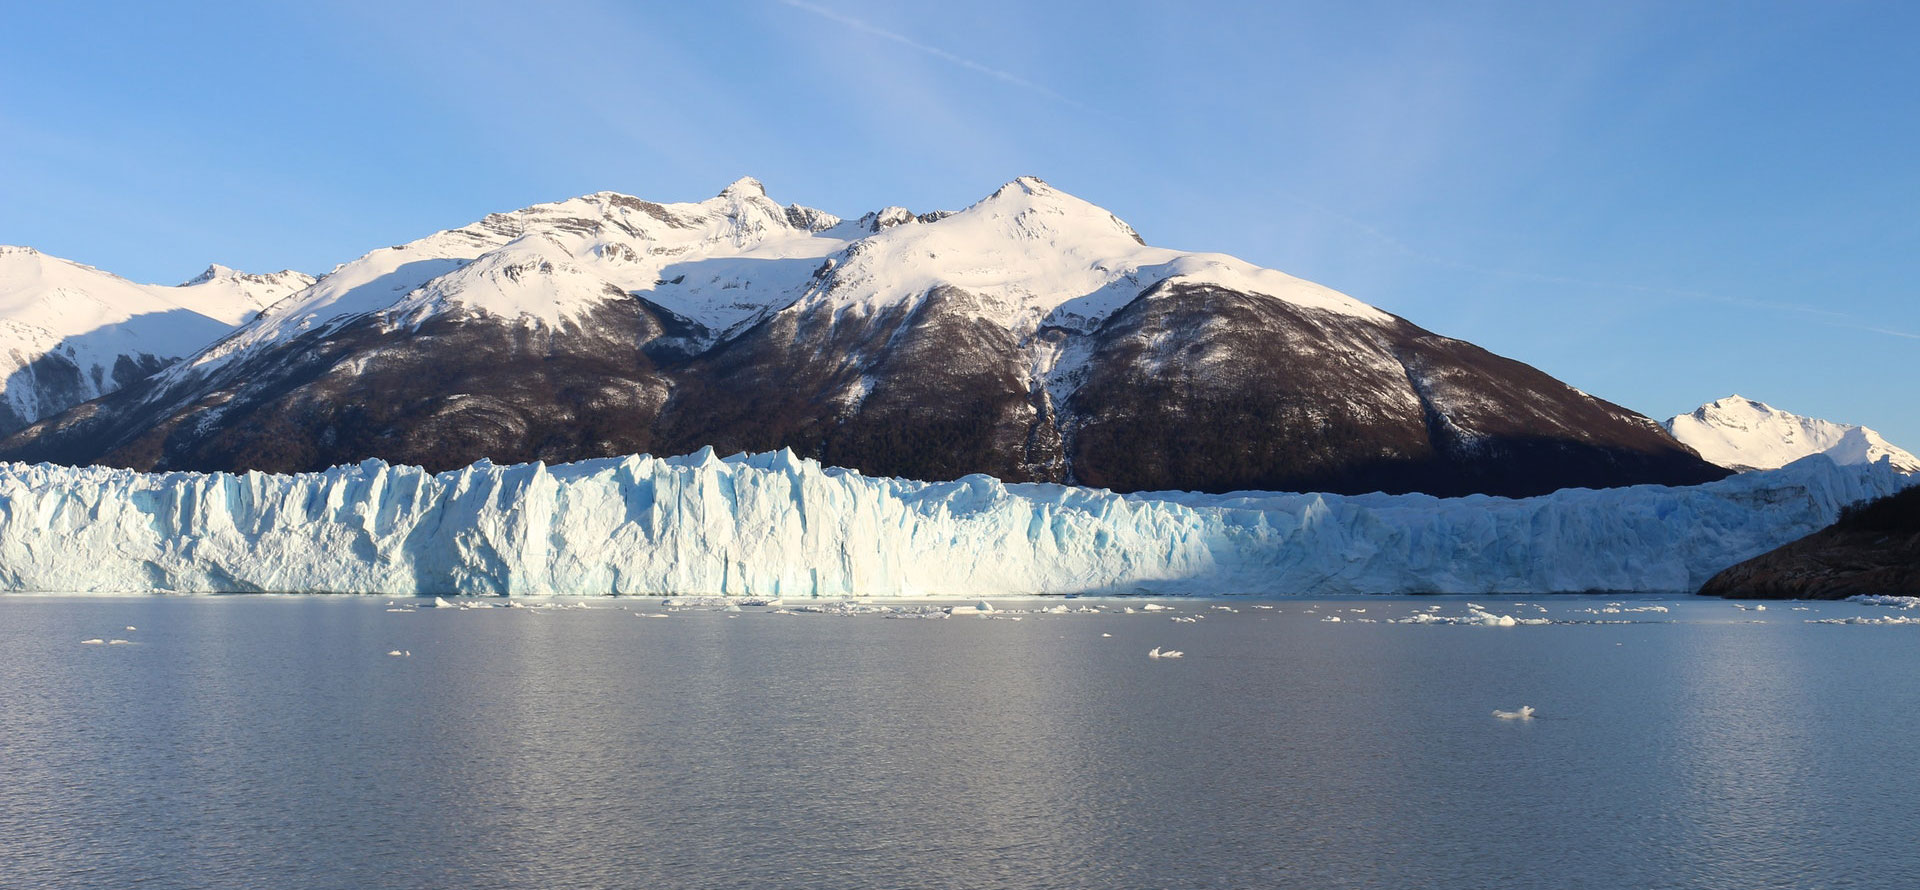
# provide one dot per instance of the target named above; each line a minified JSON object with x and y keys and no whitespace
{"x":1888,"y":331}
{"x":866,"y":27}
{"x":1824,"y":316}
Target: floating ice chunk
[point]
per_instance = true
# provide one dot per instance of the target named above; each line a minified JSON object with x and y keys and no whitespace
{"x":1331,"y":618}
{"x":1170,"y":653}
{"x":400,"y":653}
{"x":439,"y":603}
{"x":1760,"y":608}
{"x":1525,"y":713}
{"x":1153,"y":607}
{"x":117,"y":642}
{"x":1890,"y":619}
{"x":1106,"y":635}
{"x":96,"y":641}
{"x":131,"y":627}
{"x":1898,"y":602}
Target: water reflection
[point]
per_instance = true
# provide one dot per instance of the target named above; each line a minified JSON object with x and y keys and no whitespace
{"x":270,"y":742}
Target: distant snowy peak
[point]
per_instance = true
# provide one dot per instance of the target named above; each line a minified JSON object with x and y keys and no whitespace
{"x":236,"y":297}
{"x":1744,"y":434}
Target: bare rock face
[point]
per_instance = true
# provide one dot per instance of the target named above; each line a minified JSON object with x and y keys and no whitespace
{"x":1031,"y":337}
{"x":1873,"y":549}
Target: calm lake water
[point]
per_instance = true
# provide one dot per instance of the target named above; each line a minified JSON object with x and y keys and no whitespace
{"x":255,"y":741}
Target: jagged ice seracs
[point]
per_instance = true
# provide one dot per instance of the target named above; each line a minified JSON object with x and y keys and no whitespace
{"x":774,"y":524}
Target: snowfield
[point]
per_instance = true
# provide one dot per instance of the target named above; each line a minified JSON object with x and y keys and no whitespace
{"x":777,"y":525}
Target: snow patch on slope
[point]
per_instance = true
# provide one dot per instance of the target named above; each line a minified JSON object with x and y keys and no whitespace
{"x":776,"y":525}
{"x":1743,"y":434}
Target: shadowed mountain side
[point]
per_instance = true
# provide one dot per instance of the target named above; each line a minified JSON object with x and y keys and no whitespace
{"x":1212,"y":390}
{"x":1187,"y":387}
{"x":450,"y":392}
{"x":924,"y":390}
{"x":79,"y":367}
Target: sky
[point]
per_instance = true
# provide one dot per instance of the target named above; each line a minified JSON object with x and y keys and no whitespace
{"x":1659,"y":203}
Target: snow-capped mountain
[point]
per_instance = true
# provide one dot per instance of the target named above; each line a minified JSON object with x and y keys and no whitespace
{"x":69,"y":333}
{"x":1030,"y":336}
{"x":1742,"y":434}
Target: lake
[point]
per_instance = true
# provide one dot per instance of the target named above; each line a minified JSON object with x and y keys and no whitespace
{"x":272,"y":741}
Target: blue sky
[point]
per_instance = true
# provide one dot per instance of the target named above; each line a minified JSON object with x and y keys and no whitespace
{"x":1659,"y":203}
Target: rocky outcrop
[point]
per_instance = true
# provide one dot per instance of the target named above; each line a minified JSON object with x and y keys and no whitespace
{"x":1874,"y":549}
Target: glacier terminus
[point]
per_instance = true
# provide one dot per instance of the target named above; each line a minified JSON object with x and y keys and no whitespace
{"x":776,"y":525}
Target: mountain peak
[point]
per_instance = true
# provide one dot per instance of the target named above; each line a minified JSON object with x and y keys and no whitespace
{"x":744,"y":187}
{"x":886,"y":218}
{"x":214,"y":270}
{"x":1743,"y":433}
{"x":1023,"y":185}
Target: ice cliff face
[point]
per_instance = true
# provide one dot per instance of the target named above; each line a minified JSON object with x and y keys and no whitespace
{"x":777,"y":525}
{"x":1742,"y":434}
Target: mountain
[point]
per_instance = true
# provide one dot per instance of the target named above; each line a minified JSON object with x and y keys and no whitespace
{"x":1030,"y":336}
{"x":1873,"y":550}
{"x":69,"y":333}
{"x":1742,"y":434}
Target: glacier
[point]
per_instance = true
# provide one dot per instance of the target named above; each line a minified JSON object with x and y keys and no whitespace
{"x":778,"y":525}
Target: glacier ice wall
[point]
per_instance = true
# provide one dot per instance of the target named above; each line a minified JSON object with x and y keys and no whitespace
{"x":777,"y":525}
